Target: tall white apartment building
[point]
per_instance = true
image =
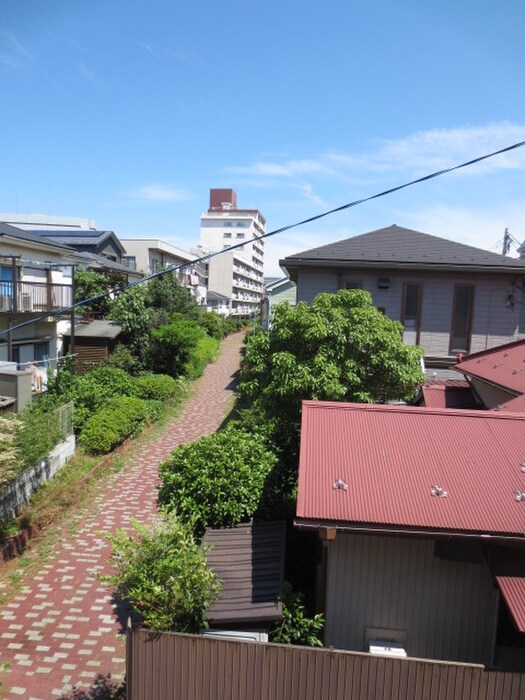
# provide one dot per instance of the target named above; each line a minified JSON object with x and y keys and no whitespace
{"x":235,"y":274}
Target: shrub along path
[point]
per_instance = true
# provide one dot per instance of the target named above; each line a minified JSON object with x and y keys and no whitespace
{"x":63,"y":627}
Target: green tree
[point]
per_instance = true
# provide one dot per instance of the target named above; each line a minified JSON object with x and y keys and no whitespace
{"x":162,"y":571}
{"x":88,"y":284}
{"x":174,"y":343}
{"x":129,"y":310}
{"x":218,"y":480}
{"x":166,"y":293}
{"x":339,"y":348}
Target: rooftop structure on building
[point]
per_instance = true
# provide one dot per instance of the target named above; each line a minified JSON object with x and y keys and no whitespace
{"x":235,"y":274}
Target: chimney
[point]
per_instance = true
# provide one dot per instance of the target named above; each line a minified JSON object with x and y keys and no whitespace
{"x":222,"y":200}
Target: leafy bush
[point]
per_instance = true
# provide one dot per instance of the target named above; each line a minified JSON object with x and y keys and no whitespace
{"x":157,"y":386}
{"x":163,"y":574}
{"x":213,"y":324}
{"x":123,"y":358}
{"x":102,"y":688}
{"x":216,"y":480}
{"x":296,"y":627}
{"x":120,"y":417}
{"x":199,"y":357}
{"x":174,"y":343}
{"x":89,"y":391}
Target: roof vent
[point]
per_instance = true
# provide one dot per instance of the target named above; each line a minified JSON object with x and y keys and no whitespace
{"x":340,"y":484}
{"x":523,"y":467}
{"x":519,"y":496}
{"x":439,"y":491}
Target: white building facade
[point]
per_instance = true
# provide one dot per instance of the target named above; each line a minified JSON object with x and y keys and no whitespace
{"x":236,"y":274}
{"x":150,"y":255}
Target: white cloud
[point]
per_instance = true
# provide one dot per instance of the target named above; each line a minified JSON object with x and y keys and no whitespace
{"x":419,"y":153}
{"x":160,"y":193}
{"x":12,"y":52}
{"x":290,"y":168}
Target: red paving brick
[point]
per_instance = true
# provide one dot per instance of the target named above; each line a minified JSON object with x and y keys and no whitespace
{"x":63,"y":627}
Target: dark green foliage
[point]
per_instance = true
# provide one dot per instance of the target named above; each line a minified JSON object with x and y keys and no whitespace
{"x":163,"y":573}
{"x":201,"y":354}
{"x":296,"y":627}
{"x":119,"y":418}
{"x":129,"y":310}
{"x":217,"y":480}
{"x":166,"y":292}
{"x":102,"y":688}
{"x":213,"y":324}
{"x":174,"y":343}
{"x":157,"y":386}
{"x":123,"y":358}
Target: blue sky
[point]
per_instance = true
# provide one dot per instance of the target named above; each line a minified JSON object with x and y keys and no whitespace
{"x":127,"y":112}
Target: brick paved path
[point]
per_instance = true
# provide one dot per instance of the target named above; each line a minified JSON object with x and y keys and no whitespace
{"x":62,"y":628}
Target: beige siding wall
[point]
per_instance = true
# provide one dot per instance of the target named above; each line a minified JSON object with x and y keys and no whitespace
{"x":491,"y":396}
{"x":444,"y":607}
{"x":493,"y":323}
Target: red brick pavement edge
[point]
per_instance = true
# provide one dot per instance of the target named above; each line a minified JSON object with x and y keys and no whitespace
{"x":63,"y":627}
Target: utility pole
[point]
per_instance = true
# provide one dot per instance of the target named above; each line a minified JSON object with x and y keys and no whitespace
{"x":506,"y":242}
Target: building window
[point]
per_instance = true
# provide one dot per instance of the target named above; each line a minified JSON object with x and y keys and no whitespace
{"x":462,"y":318}
{"x":411,"y":312}
{"x":352,"y":284}
{"x":130,"y":261}
{"x":227,"y":235}
{"x":240,"y":235}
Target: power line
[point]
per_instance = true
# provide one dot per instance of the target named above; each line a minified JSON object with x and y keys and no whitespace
{"x":309,"y":220}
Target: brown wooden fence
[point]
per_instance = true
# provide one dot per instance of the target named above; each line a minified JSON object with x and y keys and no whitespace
{"x":172,"y":666}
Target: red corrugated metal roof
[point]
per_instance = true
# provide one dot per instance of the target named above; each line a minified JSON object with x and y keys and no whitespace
{"x":503,"y":366}
{"x":449,"y":393}
{"x":391,"y":458}
{"x":508,"y":565}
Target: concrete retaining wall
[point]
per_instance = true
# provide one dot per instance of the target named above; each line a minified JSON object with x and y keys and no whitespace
{"x":18,"y":492}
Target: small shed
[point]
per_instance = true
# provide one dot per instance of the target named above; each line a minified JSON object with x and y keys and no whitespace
{"x":249,"y":560}
{"x":94,"y":342}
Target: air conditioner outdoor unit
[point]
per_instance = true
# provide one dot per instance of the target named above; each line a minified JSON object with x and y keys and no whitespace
{"x":386,"y":647}
{"x":27,"y":302}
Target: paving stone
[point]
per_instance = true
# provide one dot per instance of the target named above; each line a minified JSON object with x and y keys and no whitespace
{"x":63,"y":618}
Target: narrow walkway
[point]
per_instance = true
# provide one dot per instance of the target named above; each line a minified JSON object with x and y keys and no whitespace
{"x":62,"y":628}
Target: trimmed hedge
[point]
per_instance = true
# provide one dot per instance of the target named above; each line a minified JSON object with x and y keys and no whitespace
{"x":218,"y":480}
{"x":120,"y":417}
{"x":157,"y":386}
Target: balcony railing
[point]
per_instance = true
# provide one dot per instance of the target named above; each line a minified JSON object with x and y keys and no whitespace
{"x":34,"y":297}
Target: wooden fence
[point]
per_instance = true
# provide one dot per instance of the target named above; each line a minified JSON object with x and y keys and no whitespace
{"x":171,"y":666}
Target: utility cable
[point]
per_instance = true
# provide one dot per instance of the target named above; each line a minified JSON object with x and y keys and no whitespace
{"x":317,"y":217}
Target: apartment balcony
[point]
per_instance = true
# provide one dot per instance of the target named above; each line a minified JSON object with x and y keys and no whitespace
{"x":34,"y":297}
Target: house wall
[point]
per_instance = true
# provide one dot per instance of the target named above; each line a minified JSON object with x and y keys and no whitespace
{"x":491,"y":396}
{"x":493,"y":322}
{"x":445,"y":608}
{"x":284,"y":292}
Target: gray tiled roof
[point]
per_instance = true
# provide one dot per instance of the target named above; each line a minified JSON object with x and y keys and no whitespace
{"x":403,"y":246}
{"x":79,"y":236}
{"x":14,"y":232}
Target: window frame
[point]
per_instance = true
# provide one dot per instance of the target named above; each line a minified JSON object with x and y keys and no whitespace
{"x":453,"y":347}
{"x":419,"y":285}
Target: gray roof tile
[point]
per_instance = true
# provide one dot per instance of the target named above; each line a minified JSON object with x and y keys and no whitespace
{"x":403,"y":246}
